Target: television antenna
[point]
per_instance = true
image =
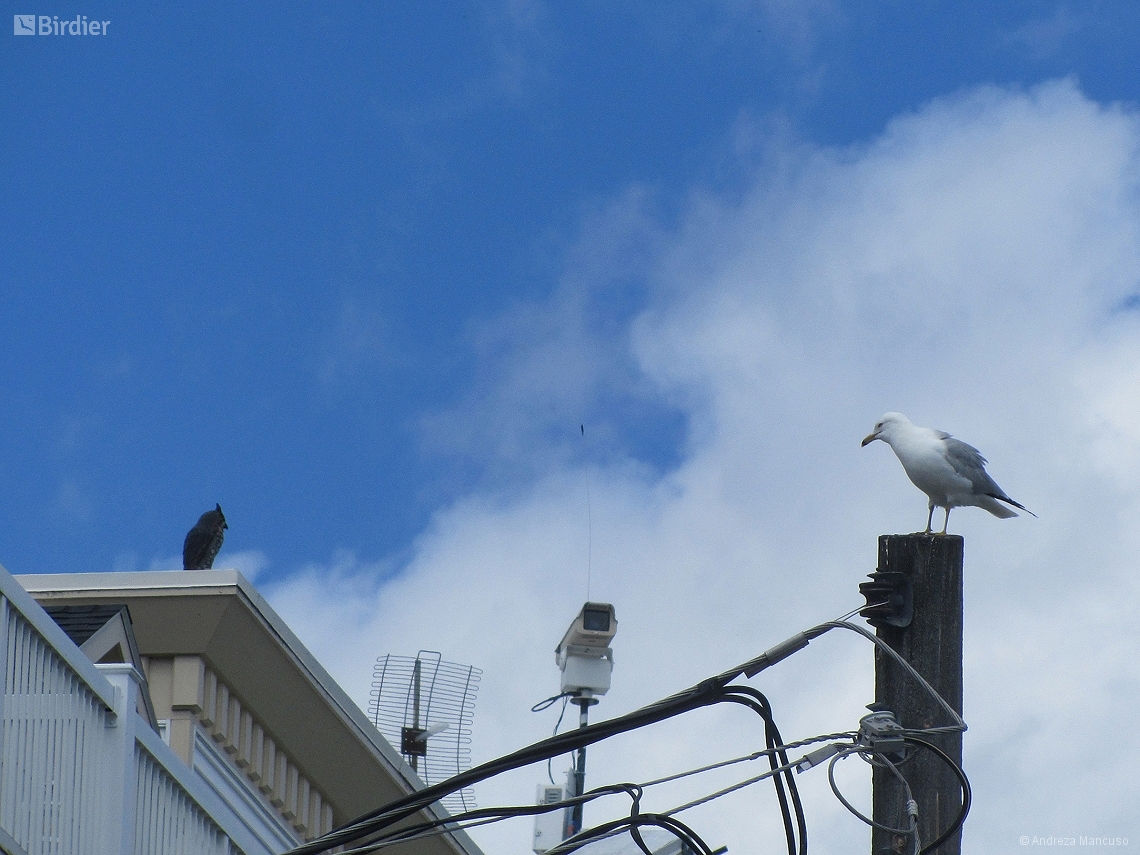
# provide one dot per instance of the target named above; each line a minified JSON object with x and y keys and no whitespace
{"x":424,"y":706}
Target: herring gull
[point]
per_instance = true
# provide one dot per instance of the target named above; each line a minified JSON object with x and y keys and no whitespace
{"x":950,"y":472}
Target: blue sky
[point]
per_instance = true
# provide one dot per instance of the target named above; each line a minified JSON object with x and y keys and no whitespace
{"x":247,"y":252}
{"x":360,"y":275}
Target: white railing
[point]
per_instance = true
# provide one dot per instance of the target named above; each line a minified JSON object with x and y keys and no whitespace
{"x":158,"y":828}
{"x":52,"y":721}
{"x":81,"y":772}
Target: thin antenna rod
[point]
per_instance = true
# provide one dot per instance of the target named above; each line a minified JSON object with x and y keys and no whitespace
{"x":589,"y":525}
{"x":589,"y":538}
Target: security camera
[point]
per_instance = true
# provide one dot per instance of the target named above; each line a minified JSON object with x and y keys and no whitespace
{"x":584,"y":654}
{"x":595,"y":627}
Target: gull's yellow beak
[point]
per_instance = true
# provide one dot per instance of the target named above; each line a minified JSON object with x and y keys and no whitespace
{"x":869,"y":438}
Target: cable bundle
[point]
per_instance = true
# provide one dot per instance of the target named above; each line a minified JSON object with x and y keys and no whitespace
{"x":375,"y":830}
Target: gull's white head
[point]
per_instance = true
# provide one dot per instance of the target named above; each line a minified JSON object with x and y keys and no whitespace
{"x":887,"y":427}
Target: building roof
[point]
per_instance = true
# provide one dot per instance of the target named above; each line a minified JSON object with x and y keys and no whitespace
{"x":220,"y":616}
{"x":105,"y":634}
{"x":82,"y":622}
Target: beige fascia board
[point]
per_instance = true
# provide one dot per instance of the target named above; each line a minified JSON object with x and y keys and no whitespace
{"x":157,"y":581}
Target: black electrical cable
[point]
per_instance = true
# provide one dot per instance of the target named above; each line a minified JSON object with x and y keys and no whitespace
{"x":565,"y":696}
{"x":778,"y":757}
{"x":705,"y":693}
{"x":967,"y":793}
{"x":481,"y":816}
{"x":551,"y":701}
{"x":711,"y":691}
{"x":773,"y":760}
{"x":687,"y":836}
{"x":485,"y":816}
{"x":635,"y":831}
{"x":546,"y":704}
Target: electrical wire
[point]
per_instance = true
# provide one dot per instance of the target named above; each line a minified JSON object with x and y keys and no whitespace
{"x":551,"y":701}
{"x":755,"y":755}
{"x":862,"y":750}
{"x":705,"y":693}
{"x":755,"y":779}
{"x":633,"y":824}
{"x":708,"y":692}
{"x":959,"y":725}
{"x":666,"y":820}
{"x":542,"y":705}
{"x":487,"y":815}
{"x":967,"y":792}
{"x":964,"y":810}
{"x":756,"y":700}
{"x":483,"y":816}
{"x":786,"y":767}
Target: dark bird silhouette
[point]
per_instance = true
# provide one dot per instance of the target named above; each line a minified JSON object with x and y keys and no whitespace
{"x":204,"y":540}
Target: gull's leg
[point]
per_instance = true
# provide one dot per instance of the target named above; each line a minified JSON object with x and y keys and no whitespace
{"x":929,"y":518}
{"x":947,"y":520}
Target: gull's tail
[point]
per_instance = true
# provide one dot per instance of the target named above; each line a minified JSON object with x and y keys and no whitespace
{"x":1001,"y":510}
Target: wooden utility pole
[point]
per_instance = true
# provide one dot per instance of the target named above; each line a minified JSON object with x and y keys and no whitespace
{"x":932,"y":643}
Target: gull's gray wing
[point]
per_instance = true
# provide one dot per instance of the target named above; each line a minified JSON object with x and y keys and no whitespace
{"x":969,"y":463}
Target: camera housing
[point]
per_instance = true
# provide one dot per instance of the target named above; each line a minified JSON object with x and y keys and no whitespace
{"x":584,"y":654}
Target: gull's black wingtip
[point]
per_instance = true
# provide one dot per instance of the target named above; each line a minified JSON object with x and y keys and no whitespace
{"x":1010,"y":501}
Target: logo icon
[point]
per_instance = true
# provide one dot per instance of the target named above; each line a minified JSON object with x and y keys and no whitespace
{"x":24,"y":25}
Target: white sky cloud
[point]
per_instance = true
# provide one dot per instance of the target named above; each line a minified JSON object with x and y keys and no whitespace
{"x":961,"y":268}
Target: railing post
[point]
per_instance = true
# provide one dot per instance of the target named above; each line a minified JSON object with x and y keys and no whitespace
{"x":5,"y":607}
{"x":120,"y":773}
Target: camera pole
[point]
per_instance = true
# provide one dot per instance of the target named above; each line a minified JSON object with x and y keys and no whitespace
{"x":587,"y":661}
{"x":584,"y":701}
